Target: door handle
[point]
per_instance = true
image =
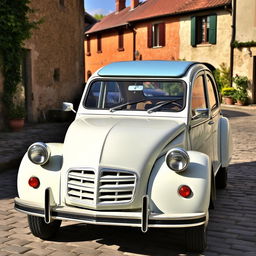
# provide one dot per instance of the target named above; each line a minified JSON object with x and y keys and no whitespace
{"x":211,"y":122}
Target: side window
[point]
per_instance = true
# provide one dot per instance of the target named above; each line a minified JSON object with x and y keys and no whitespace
{"x":213,"y":102}
{"x":198,"y":100}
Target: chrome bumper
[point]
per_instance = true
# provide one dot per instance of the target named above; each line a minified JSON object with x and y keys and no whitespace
{"x":143,"y":219}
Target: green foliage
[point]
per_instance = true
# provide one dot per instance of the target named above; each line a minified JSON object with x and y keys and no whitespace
{"x":228,"y":92}
{"x":15,"y":28}
{"x":241,"y":88}
{"x":98,"y":16}
{"x":16,"y":111}
{"x":237,"y":44}
{"x":222,"y":76}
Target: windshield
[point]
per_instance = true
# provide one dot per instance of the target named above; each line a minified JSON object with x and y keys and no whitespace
{"x":148,"y":96}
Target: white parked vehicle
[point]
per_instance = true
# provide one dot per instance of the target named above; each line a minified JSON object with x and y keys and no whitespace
{"x":147,"y":149}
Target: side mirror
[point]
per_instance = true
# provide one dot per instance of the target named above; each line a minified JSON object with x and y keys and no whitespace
{"x":66,"y":106}
{"x":201,"y":113}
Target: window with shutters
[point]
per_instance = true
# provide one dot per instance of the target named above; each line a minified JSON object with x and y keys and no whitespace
{"x":120,"y":40}
{"x":156,"y":35}
{"x":99,"y":44}
{"x":203,"y":30}
{"x":88,"y":48}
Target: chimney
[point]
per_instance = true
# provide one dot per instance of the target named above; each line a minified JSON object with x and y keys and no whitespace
{"x":134,"y":4}
{"x":120,"y":5}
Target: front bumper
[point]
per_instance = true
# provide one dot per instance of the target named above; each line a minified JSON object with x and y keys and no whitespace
{"x":143,"y":218}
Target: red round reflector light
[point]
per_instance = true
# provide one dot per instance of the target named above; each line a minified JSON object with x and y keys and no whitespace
{"x":34,"y":182}
{"x":185,"y":191}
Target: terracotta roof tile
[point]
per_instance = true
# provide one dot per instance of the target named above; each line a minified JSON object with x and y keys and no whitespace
{"x":154,"y":8}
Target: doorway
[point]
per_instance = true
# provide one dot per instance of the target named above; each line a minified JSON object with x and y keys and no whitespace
{"x":27,"y":83}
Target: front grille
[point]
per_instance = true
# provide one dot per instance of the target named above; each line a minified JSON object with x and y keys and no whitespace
{"x":86,"y":188}
{"x":81,"y":186}
{"x":116,"y":186}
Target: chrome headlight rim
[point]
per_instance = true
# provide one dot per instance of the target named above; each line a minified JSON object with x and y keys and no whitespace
{"x":174,"y":152}
{"x":45,"y":150}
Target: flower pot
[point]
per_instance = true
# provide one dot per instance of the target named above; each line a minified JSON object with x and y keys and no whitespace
{"x":16,"y":124}
{"x":240,"y":103}
{"x":228,"y":100}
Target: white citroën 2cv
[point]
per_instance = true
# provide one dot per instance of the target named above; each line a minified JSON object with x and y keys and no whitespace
{"x":147,"y":148}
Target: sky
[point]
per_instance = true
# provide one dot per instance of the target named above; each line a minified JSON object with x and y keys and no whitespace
{"x":101,"y":6}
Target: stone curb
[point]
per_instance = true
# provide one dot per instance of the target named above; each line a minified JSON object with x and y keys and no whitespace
{"x":236,"y":107}
{"x":12,"y":163}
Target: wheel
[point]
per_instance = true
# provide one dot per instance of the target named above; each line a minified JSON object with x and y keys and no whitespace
{"x":222,"y":177}
{"x":196,"y":239}
{"x":42,"y":230}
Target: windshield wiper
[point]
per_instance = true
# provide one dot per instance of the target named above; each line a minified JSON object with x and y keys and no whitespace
{"x":126,"y":104}
{"x":164,"y":104}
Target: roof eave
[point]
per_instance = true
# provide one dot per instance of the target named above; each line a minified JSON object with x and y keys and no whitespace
{"x":222,"y":6}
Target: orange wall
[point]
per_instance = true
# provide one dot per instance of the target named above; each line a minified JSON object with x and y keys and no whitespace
{"x":171,"y":49}
{"x":110,"y":51}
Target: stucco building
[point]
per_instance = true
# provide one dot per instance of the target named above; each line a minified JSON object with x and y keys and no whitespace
{"x":53,"y":67}
{"x":162,"y":30}
{"x":245,"y":35}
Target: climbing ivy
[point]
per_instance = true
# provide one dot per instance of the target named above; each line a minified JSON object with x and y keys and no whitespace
{"x":237,"y":44}
{"x":15,"y":28}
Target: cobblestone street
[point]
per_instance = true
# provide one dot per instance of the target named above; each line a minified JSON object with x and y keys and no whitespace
{"x":231,"y":230}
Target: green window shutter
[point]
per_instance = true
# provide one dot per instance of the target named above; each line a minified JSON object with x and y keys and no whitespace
{"x":213,"y":29}
{"x":193,"y":31}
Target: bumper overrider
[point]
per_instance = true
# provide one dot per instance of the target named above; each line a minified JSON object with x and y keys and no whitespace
{"x":144,"y":218}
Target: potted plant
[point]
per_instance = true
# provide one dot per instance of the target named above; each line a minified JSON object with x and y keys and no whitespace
{"x":16,"y":115}
{"x":228,"y":94}
{"x":241,"y":94}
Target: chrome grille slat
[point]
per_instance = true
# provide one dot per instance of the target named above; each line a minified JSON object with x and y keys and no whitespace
{"x":81,"y":186}
{"x":116,"y":186}
{"x":108,"y":187}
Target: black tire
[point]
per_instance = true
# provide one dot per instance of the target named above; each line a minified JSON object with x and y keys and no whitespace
{"x":196,"y":239}
{"x":222,"y":178}
{"x":42,"y":230}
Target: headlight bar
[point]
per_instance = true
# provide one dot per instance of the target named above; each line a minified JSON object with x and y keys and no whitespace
{"x":177,"y":159}
{"x":39,"y":153}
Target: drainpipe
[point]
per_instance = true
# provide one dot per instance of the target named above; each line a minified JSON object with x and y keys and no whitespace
{"x":233,"y":38}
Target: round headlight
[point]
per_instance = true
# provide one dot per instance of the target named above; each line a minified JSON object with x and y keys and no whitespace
{"x":39,"y":153}
{"x":177,"y":159}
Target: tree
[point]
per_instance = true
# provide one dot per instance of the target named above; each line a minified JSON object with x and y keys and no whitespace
{"x":15,"y":28}
{"x":98,"y":16}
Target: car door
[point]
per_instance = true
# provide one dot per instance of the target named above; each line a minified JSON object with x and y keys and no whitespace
{"x":214,"y":108}
{"x":200,"y":128}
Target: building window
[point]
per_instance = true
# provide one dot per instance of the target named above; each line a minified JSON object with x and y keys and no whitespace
{"x":56,"y":75}
{"x":62,"y":3}
{"x":203,"y":30}
{"x":99,"y":44}
{"x":88,"y":48}
{"x":156,"y":35}
{"x":120,"y":40}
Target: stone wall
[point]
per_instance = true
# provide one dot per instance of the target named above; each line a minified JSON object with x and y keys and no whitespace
{"x":246,"y":20}
{"x":55,"y":59}
{"x":1,"y":104}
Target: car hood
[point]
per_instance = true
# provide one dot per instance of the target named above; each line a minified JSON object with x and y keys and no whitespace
{"x":121,"y":143}
{"x":127,"y":144}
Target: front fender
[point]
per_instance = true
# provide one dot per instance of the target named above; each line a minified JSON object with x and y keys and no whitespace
{"x":164,"y":184}
{"x":48,"y":174}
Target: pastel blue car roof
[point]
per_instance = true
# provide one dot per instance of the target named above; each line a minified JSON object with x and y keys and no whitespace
{"x":146,"y":69}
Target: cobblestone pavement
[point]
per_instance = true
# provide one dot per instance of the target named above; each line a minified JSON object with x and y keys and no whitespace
{"x":231,"y":231}
{"x":13,"y":145}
